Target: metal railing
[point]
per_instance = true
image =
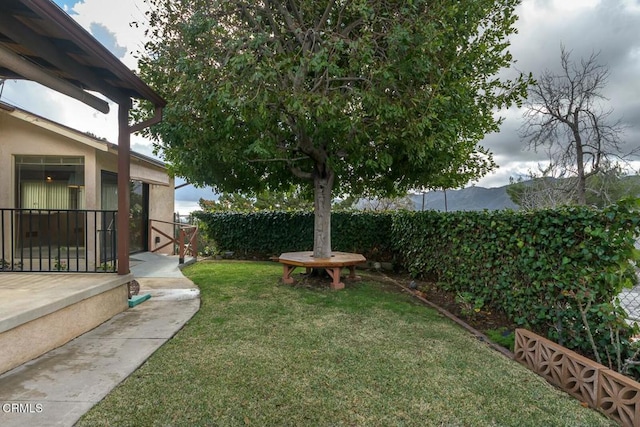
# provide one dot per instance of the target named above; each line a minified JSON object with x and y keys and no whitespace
{"x":184,"y":239}
{"x":57,"y":240}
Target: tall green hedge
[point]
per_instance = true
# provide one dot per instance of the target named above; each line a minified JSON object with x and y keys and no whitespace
{"x":556,"y":272}
{"x":544,"y":269}
{"x":270,"y":233}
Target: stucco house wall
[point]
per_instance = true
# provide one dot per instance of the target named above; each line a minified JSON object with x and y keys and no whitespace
{"x":24,"y":133}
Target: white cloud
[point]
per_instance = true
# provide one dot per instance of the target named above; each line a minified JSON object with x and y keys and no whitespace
{"x":108,"y":40}
{"x":117,"y":16}
{"x":583,"y":27}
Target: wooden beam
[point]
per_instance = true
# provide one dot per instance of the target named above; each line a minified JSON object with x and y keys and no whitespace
{"x":49,"y":11}
{"x":157,"y":118}
{"x":31,"y":71}
{"x":44,"y":48}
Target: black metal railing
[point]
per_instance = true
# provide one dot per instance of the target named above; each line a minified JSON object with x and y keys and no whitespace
{"x":57,"y":240}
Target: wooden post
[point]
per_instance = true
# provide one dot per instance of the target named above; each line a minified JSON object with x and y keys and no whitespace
{"x":124,"y":158}
{"x":150,"y":237}
{"x":194,"y":238}
{"x":181,"y":246}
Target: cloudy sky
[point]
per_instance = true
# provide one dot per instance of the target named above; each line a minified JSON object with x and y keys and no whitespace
{"x":611,"y":27}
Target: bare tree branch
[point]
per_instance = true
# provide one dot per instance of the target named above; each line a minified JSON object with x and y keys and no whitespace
{"x":565,"y":114}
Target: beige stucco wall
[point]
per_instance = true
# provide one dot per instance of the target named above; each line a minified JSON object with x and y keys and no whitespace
{"x":29,"y":135}
{"x":161,"y":207}
{"x":34,"y":338}
{"x":20,"y":137}
{"x":25,"y":134}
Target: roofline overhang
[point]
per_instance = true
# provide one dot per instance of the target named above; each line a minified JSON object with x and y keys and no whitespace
{"x":49,"y":10}
{"x":74,"y":134}
{"x":33,"y":72}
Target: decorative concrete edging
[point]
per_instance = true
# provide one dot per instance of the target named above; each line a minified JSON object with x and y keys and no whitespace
{"x":614,"y":394}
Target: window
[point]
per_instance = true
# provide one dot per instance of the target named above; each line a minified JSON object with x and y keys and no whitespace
{"x":50,"y":182}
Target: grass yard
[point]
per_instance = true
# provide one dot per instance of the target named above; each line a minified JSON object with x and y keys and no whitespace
{"x":261,"y":353}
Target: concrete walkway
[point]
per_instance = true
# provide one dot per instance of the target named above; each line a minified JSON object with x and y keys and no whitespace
{"x":57,"y":388}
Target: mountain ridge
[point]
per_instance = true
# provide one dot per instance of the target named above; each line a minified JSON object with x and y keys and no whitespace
{"x":472,"y":198}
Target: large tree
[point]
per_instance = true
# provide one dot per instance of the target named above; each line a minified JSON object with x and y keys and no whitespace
{"x":567,"y":115}
{"x":366,"y":97}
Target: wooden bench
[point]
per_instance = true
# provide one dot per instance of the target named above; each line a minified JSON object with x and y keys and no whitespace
{"x":333,"y":266}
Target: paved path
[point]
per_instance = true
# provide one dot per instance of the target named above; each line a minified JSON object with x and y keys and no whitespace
{"x":57,"y":388}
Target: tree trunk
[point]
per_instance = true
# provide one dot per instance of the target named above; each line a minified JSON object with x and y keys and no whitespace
{"x":323,"y":178}
{"x":582,"y":178}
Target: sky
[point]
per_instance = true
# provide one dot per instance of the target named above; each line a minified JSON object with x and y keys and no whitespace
{"x":610,"y":27}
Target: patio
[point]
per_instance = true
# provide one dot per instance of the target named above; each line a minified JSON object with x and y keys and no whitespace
{"x":41,"y":311}
{"x":69,"y":380}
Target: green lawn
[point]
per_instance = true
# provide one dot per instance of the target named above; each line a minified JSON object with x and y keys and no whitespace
{"x":262,"y":353}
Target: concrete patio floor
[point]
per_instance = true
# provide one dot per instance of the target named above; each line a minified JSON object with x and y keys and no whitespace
{"x":57,"y":388}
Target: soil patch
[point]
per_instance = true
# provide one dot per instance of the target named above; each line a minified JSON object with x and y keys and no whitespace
{"x":483,"y":320}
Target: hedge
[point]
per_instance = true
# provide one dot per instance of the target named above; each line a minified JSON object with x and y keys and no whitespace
{"x":268,"y":233}
{"x":556,"y":272}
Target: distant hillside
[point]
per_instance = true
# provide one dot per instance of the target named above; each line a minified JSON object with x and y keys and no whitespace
{"x":480,"y":198}
{"x":466,"y":199}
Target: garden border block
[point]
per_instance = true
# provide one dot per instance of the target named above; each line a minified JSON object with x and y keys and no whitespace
{"x":614,"y":394}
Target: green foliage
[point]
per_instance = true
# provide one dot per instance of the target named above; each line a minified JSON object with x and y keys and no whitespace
{"x":611,"y":185}
{"x":107,"y":266}
{"x":267,"y":233}
{"x":290,"y":200}
{"x":557,"y":272}
{"x":502,"y":336}
{"x":537,"y":267}
{"x":386,"y":96}
{"x":7,"y":266}
{"x":60,"y":265}
{"x":469,"y":303}
{"x":541,"y":192}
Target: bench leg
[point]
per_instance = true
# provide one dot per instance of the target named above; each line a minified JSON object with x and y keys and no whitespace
{"x":335,"y":275}
{"x":286,"y":274}
{"x":352,"y":273}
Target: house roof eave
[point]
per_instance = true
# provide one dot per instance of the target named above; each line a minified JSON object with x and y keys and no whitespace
{"x":49,"y":39}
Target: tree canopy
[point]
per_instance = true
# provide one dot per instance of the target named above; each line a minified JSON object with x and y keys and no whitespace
{"x":370,"y":97}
